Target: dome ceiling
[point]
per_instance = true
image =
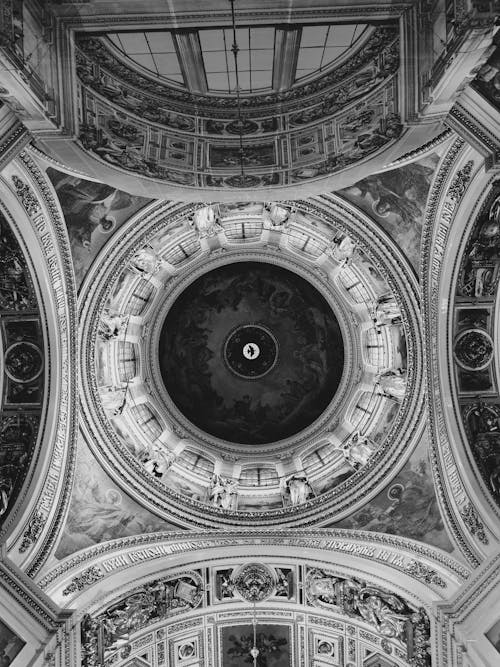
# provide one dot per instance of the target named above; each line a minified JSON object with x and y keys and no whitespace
{"x":251,"y":353}
{"x":251,"y":360}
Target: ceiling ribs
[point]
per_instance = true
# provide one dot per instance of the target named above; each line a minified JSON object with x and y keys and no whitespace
{"x":286,"y":53}
{"x":188,"y":48}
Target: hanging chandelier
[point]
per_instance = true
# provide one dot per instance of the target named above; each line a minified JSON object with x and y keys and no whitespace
{"x":242,"y":178}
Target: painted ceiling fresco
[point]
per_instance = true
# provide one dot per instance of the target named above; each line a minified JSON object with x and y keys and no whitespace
{"x":396,"y":199}
{"x":93,"y":211}
{"x":306,"y":358}
{"x":100,"y":511}
{"x":407,"y":506}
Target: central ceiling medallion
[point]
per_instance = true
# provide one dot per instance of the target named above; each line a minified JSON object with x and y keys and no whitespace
{"x":251,"y":321}
{"x":251,"y":351}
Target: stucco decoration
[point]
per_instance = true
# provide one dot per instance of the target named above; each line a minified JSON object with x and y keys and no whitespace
{"x":109,"y":631}
{"x":399,"y":626}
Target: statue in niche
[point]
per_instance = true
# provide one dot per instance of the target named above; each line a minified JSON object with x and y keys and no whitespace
{"x":157,"y":459}
{"x":495,"y":481}
{"x":359,"y":450}
{"x":321,"y":586}
{"x":393,"y":383}
{"x":224,"y":492}
{"x":284,"y":584}
{"x":8,"y":474}
{"x":387,"y":311}
{"x":342,"y":250}
{"x":111,"y":326}
{"x":206,"y":222}
{"x":146,"y":260}
{"x":113,"y":399}
{"x":275,"y":216}
{"x":296,"y":489}
{"x":484,"y":418}
{"x":224,"y":585}
{"x":381,"y":610}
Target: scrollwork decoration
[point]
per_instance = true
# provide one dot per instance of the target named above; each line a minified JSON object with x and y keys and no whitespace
{"x":88,"y":577}
{"x":474,"y":523}
{"x":26,"y":195}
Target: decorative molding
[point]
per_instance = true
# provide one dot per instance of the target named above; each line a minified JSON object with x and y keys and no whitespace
{"x":425,"y":573}
{"x":87,"y":578}
{"x":60,"y":268}
{"x":363,"y":544}
{"x":459,"y":184}
{"x":473,"y":522}
{"x":32,"y":533}
{"x":442,"y":458}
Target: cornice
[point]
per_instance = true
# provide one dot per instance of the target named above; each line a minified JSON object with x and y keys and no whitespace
{"x":366,"y":545}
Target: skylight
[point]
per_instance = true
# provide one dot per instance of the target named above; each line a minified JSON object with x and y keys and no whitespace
{"x":321,"y":45}
{"x":290,"y":53}
{"x":154,"y":51}
{"x":255,"y":58}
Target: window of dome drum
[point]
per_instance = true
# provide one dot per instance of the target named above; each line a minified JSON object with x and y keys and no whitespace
{"x":251,"y":353}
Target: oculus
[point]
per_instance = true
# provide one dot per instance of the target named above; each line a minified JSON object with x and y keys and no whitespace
{"x":251,"y":351}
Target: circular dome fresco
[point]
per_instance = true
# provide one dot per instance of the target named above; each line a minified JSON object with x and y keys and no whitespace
{"x":251,"y":353}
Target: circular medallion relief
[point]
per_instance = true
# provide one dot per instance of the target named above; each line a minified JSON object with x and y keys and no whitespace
{"x":23,"y":362}
{"x":251,"y":353}
{"x":473,"y":349}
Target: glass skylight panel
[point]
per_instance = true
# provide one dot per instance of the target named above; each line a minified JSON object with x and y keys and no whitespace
{"x":160,"y":42}
{"x":134,"y":43}
{"x":155,"y":51}
{"x":144,"y":59}
{"x":313,"y":35}
{"x":255,"y":58}
{"x":321,"y":46}
{"x":167,"y":64}
{"x":211,"y":40}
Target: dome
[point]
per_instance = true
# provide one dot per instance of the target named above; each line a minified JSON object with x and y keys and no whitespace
{"x":251,"y":353}
{"x":255,"y":349}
